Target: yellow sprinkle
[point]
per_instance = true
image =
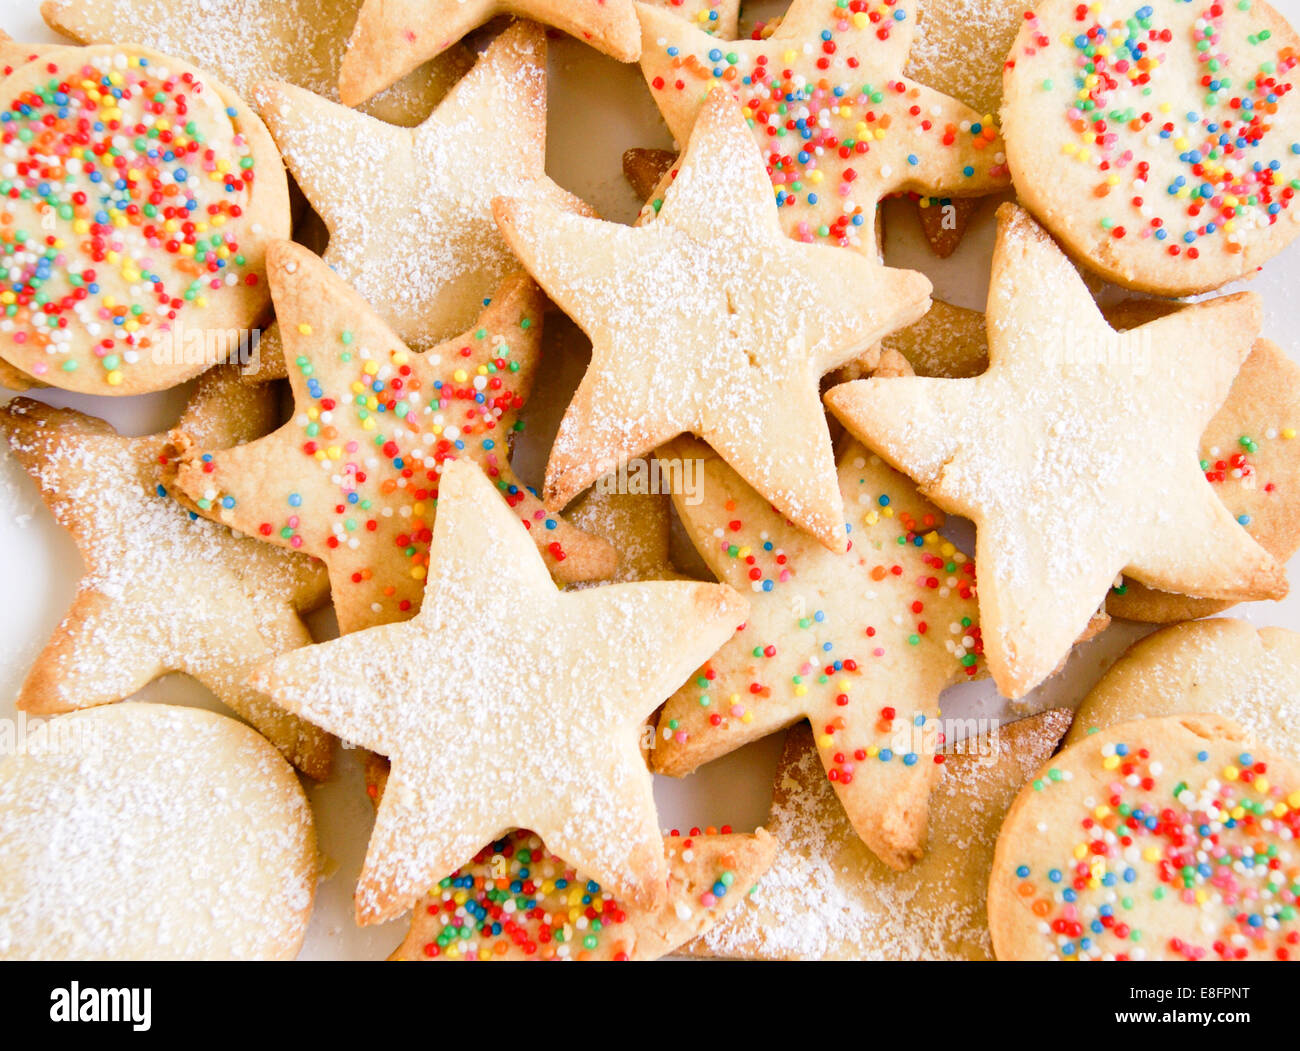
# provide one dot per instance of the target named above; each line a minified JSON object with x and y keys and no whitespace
{"x":304,"y":328}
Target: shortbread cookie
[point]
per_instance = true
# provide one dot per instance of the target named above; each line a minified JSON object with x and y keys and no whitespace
{"x":517,"y":901}
{"x":545,"y":693}
{"x":1160,"y":143}
{"x":960,"y":48}
{"x":163,"y":591}
{"x":1223,"y":666}
{"x":860,"y":644}
{"x":708,"y":319}
{"x":247,"y":41}
{"x":1034,"y":452}
{"x":392,"y":37}
{"x":353,"y":477}
{"x":637,"y":524}
{"x":826,"y":897}
{"x":152,"y":832}
{"x":839,"y":125}
{"x":151,"y":227}
{"x":1160,"y":839}
{"x":409,"y":211}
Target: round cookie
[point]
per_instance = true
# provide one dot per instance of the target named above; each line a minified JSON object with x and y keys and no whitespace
{"x":1165,"y":839}
{"x":147,"y":831}
{"x":140,"y":193}
{"x":1159,"y":142}
{"x":1221,"y":665}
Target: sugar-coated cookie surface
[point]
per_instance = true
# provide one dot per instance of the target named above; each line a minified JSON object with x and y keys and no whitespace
{"x":827,"y":898}
{"x":517,"y":901}
{"x":839,"y":125}
{"x":143,"y":192}
{"x":246,"y":41}
{"x":152,"y":832}
{"x":1160,"y":140}
{"x":1160,"y":839}
{"x":859,"y":644}
{"x":1034,"y":452}
{"x":506,"y":703}
{"x":1220,"y":665}
{"x":353,"y":477}
{"x":163,"y":590}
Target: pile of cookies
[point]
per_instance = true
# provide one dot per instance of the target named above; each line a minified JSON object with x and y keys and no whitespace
{"x":518,"y":662}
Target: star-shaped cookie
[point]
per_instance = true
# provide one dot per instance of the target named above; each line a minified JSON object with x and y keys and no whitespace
{"x":838,"y":124}
{"x":517,"y":901}
{"x":163,"y":590}
{"x":1075,"y":454}
{"x":708,"y":319}
{"x":506,"y":703}
{"x":409,"y":210}
{"x":246,"y":41}
{"x":353,"y":477}
{"x":826,"y":898}
{"x":392,"y":37}
{"x":859,"y":644}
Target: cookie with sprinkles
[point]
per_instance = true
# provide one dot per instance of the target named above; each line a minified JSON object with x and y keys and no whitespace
{"x":1159,"y":141}
{"x":353,"y":476}
{"x":1220,"y":665}
{"x":153,"y":832}
{"x":1159,"y":839}
{"x":392,"y":37}
{"x":163,"y":590}
{"x":826,"y":897}
{"x":859,"y":644}
{"x":838,"y":124}
{"x":506,"y":703}
{"x":140,"y":193}
{"x":517,"y":901}
{"x":1036,"y":452}
{"x":707,"y":319}
{"x":247,"y":41}
{"x":409,"y":210}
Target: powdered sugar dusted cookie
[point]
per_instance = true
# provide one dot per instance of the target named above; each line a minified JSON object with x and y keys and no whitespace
{"x":1034,"y":451}
{"x":144,"y":192}
{"x":1223,"y":666}
{"x":839,"y":125}
{"x":1160,"y":839}
{"x":409,"y":210}
{"x":708,"y":319}
{"x":151,"y":832}
{"x":517,"y":901}
{"x":392,"y":37}
{"x":353,"y":477}
{"x":859,"y":644}
{"x":827,"y":898}
{"x":544,"y":693}
{"x":1160,"y":142}
{"x":163,"y":591}
{"x":246,"y":41}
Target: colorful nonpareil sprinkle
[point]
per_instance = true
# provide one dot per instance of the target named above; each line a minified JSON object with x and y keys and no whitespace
{"x":839,"y":125}
{"x":123,"y":187}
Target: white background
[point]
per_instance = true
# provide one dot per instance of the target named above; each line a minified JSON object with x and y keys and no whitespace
{"x":598,"y":109}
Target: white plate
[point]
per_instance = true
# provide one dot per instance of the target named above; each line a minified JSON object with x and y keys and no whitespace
{"x":598,"y":109}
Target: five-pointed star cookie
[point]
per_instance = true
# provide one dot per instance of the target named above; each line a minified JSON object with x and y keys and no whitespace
{"x":859,"y":644}
{"x":506,"y":703}
{"x":839,"y":125}
{"x":518,"y":901}
{"x":392,"y":37}
{"x":246,"y":41}
{"x":826,"y":898}
{"x":163,"y":590}
{"x":353,"y":477}
{"x":708,"y":319}
{"x":409,"y":210}
{"x":1075,"y":454}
